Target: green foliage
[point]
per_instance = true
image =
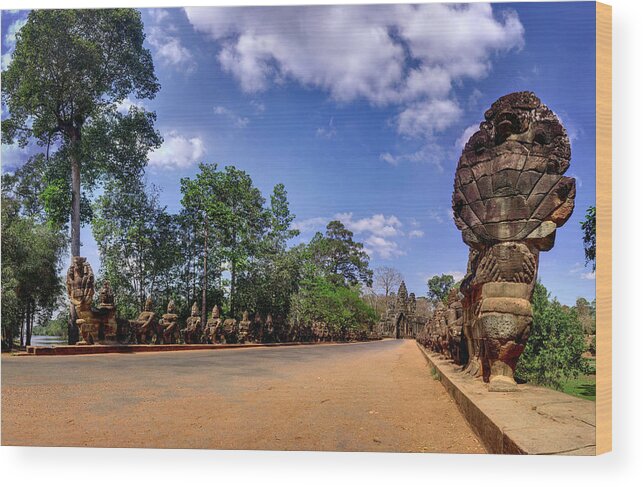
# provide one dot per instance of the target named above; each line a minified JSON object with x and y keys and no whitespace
{"x":553,"y":353}
{"x":56,"y":327}
{"x":229,"y":218}
{"x":70,"y":65}
{"x":69,"y":72}
{"x":137,"y":242}
{"x":31,"y":285}
{"x":341,"y":308}
{"x":339,"y":257}
{"x":589,"y":236}
{"x":586,"y":312}
{"x":439,"y":287}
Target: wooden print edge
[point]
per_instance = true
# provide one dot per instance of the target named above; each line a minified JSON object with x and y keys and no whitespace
{"x":603,"y":228}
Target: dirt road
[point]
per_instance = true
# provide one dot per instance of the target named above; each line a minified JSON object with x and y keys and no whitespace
{"x":376,"y":396}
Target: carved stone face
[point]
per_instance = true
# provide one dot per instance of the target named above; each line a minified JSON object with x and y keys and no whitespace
{"x":509,"y":184}
{"x":149,"y":304}
{"x":215,"y":312}
{"x":79,"y":264}
{"x":195,"y":310}
{"x":171,"y":307}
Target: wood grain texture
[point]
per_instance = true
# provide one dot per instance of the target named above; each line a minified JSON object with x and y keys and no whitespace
{"x":604,"y":228}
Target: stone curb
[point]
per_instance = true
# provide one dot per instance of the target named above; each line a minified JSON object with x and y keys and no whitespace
{"x":532,"y":421}
{"x":63,"y":350}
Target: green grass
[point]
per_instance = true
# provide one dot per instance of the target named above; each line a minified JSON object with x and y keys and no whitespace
{"x":583,"y":386}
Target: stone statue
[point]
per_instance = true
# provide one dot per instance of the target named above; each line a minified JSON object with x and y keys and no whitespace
{"x":192,"y":330}
{"x":269,"y":329}
{"x":255,"y":334}
{"x":230,"y":331}
{"x":106,"y":296}
{"x":244,"y":327}
{"x":213,"y":326}
{"x":144,"y":327}
{"x":454,"y":326}
{"x":169,"y":325}
{"x":509,"y":198}
{"x":96,"y":325}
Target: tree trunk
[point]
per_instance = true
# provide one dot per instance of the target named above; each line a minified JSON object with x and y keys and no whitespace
{"x":233,"y":281}
{"x":204,"y":316}
{"x":30,"y":316}
{"x":22,"y":328}
{"x":72,"y":329}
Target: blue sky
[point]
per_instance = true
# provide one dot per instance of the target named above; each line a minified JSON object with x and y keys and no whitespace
{"x":362,"y":112}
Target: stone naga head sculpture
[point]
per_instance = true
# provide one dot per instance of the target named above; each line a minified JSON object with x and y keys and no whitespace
{"x":80,"y":282}
{"x":509,"y":197}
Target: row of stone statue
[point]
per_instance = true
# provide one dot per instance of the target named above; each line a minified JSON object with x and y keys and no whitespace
{"x":443,"y":333}
{"x":509,"y":198}
{"x":148,"y":328}
{"x":100,"y":324}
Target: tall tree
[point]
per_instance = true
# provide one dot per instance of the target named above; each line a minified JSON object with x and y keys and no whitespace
{"x":273,"y":272}
{"x":69,"y":72}
{"x":387,"y":280}
{"x":230,"y":215}
{"x":31,"y":285}
{"x":340,"y":257}
{"x":137,"y":241}
{"x":589,"y":236}
{"x":439,"y":287}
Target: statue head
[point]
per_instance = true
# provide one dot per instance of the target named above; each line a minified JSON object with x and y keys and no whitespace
{"x":509,"y":183}
{"x":78,"y":262}
{"x":244,"y":316}
{"x":171,"y":307}
{"x":216,"y":313}
{"x":105,"y":294}
{"x":149,"y":304}
{"x":195,"y":309}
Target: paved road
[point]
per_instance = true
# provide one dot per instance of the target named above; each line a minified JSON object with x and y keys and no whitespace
{"x":376,"y":396}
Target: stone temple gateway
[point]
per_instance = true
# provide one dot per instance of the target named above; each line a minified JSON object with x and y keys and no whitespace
{"x":509,"y":198}
{"x":401,"y":319}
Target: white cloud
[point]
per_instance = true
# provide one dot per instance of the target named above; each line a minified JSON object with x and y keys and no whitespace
{"x":457,"y":275}
{"x":10,"y":41}
{"x":589,"y":276}
{"x":578,"y":269}
{"x":429,"y":153}
{"x":435,"y":216}
{"x":12,"y":30}
{"x":378,"y":225}
{"x":237,"y":121}
{"x":177,"y":152}
{"x":12,"y":155}
{"x":382,"y":247}
{"x":408,"y":56}
{"x":327,"y":132}
{"x":168,"y":48}
{"x":258,"y":105}
{"x":124,"y":106}
{"x":311,"y":224}
{"x":350,"y":52}
{"x":377,"y":232}
{"x":416,"y":234}
{"x":466,"y":135}
{"x":427,"y":117}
